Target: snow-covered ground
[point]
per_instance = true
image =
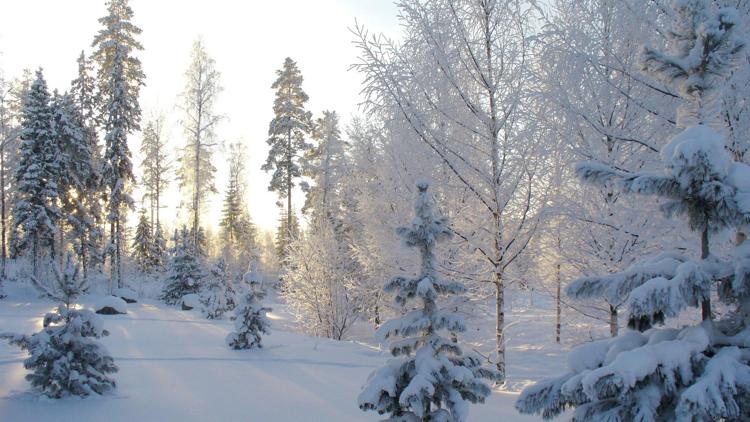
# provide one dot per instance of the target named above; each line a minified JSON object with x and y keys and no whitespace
{"x":174,"y":365}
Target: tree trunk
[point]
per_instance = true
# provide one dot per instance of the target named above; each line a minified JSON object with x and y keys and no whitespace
{"x":112,"y":260}
{"x":35,"y":256}
{"x":118,"y":254}
{"x":500,"y":323}
{"x":614,"y":326}
{"x":558,"y":303}
{"x":2,"y":211}
{"x":706,"y":303}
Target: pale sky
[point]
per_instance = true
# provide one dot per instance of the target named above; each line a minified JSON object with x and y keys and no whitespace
{"x":249,"y":41}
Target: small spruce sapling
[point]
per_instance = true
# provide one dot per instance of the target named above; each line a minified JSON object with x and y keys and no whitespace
{"x":250,"y":320}
{"x":65,"y":357}
{"x":430,"y":378}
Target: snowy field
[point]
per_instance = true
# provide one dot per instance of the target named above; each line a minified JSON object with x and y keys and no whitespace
{"x":174,"y":366}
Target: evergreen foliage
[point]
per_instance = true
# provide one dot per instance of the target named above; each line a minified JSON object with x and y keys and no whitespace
{"x":250,"y":320}
{"x":185,"y":271}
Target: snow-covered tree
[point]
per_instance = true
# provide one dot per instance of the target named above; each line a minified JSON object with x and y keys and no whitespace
{"x":143,"y":244}
{"x":320,"y":282}
{"x":155,"y":179}
{"x":218,"y":295}
{"x":324,"y":164}
{"x":697,"y":372}
{"x":237,"y":229}
{"x":430,"y":378}
{"x":36,"y":213}
{"x":185,"y":270}
{"x":286,"y":137}
{"x":9,"y":134}
{"x":250,"y":319}
{"x":120,"y":78}
{"x":286,"y":234}
{"x":65,"y":357}
{"x":196,"y":171}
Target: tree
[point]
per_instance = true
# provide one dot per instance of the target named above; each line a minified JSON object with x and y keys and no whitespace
{"x":196,"y":171}
{"x":696,"y":372}
{"x":286,"y":136}
{"x":155,"y":178}
{"x":324,"y":164}
{"x":143,"y":245}
{"x":65,"y":357}
{"x":320,"y":283}
{"x":286,"y":234}
{"x":218,"y":296}
{"x":432,"y":370}
{"x":119,"y":78}
{"x":36,"y":212}
{"x":185,"y":272}
{"x":237,"y":230}
{"x":9,"y":135}
{"x":250,"y":319}
{"x":460,"y":82}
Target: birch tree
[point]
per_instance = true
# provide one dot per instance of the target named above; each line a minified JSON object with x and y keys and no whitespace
{"x":196,"y":171}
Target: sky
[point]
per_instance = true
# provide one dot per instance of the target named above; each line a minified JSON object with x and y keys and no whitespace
{"x":249,"y":41}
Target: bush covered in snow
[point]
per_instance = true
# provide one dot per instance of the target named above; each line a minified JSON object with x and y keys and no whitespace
{"x":250,"y":319}
{"x":430,"y":378}
{"x":65,"y":357}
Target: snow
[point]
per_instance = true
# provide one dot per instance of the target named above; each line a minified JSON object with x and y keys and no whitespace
{"x":175,"y":366}
{"x":696,"y":143}
{"x":192,"y":300}
{"x":113,"y":302}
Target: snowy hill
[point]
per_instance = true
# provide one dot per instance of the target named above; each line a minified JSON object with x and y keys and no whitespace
{"x":174,"y":365}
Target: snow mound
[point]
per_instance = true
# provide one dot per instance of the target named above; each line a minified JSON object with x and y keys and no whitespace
{"x":191,"y":301}
{"x":696,"y":146}
{"x":128,"y":295}
{"x":111,"y":305}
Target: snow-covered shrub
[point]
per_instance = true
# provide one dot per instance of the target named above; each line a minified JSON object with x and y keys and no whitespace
{"x":218,"y":296}
{"x":697,"y":372}
{"x":250,"y":319}
{"x":430,"y":378}
{"x":185,"y":271}
{"x":65,"y":357}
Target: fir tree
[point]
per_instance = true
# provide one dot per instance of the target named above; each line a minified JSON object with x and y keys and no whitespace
{"x":185,"y":272}
{"x":286,"y":136}
{"x":120,"y":79}
{"x":143,"y":245}
{"x":35,"y":212}
{"x":430,"y":378}
{"x":65,"y":357}
{"x":250,"y":319}
{"x":696,"y":372}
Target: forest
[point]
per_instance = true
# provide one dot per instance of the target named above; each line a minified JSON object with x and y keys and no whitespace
{"x":538,"y":210}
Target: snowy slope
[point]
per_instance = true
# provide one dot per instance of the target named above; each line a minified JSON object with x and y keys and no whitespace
{"x":174,"y":366}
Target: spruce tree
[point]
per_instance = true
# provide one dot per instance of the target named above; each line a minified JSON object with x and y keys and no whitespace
{"x":143,"y":245}
{"x":237,"y":230}
{"x":286,"y":234}
{"x":185,"y":272}
{"x":700,"y":371}
{"x":430,"y":378}
{"x":250,"y":320}
{"x":324,"y":165}
{"x":218,"y":296}
{"x":120,"y":78}
{"x":286,"y":137}
{"x":83,"y":93}
{"x":65,"y":358}
{"x":155,"y":179}
{"x":36,"y":213}
{"x":159,"y":247}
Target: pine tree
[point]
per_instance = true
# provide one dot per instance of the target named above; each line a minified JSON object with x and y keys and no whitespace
{"x":196,"y":171}
{"x":143,"y":245}
{"x":120,"y":78}
{"x":185,"y":270}
{"x":218,"y":297}
{"x":286,"y":136}
{"x":36,"y":213}
{"x":65,"y":357}
{"x":250,"y":319}
{"x":696,"y":372}
{"x":430,"y":378}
